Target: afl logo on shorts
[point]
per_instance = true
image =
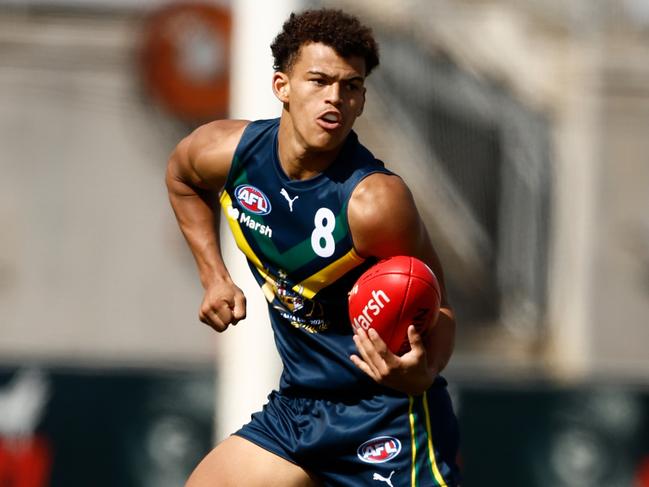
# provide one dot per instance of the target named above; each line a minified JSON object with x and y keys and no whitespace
{"x":379,"y":449}
{"x":252,"y":199}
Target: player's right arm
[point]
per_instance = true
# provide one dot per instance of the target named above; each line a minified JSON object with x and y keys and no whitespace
{"x":196,"y":172}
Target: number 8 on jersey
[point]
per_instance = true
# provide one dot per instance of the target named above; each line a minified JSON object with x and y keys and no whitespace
{"x":325,"y":222}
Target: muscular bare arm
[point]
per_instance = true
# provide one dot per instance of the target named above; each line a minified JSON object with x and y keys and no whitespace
{"x":196,"y":172}
{"x":384,"y":221}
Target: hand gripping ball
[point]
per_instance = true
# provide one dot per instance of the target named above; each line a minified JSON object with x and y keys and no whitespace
{"x":393,"y":294}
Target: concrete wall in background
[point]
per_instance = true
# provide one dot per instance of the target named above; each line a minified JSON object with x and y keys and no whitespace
{"x":92,"y":266}
{"x":621,"y":269}
{"x":582,"y":66}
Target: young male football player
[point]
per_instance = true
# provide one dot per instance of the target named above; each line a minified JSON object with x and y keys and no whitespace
{"x":311,"y":209}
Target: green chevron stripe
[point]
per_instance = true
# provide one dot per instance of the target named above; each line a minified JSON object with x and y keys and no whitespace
{"x":300,"y":254}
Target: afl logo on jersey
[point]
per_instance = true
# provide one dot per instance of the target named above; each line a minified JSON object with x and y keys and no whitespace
{"x":252,"y":199}
{"x":379,"y":449}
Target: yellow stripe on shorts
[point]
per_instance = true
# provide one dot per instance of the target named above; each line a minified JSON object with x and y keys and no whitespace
{"x":411,"y":416}
{"x":414,"y":418}
{"x":431,"y":451}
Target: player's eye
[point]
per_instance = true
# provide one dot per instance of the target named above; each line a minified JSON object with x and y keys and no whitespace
{"x":354,"y":86}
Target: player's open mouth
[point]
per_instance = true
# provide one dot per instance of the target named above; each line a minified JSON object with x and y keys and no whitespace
{"x":330,"y":120}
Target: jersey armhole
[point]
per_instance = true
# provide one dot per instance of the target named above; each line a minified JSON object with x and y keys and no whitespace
{"x":235,"y":163}
{"x":353,"y":186}
{"x":249,"y":139}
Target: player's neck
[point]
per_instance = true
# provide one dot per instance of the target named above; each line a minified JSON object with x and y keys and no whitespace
{"x":304,"y":164}
{"x":299,"y":161}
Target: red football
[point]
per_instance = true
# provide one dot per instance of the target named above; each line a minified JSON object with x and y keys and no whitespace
{"x":393,"y":294}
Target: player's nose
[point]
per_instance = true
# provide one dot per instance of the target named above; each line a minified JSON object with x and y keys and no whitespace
{"x":333,"y":94}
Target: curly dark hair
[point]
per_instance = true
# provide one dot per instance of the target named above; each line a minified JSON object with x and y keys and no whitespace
{"x":342,"y":32}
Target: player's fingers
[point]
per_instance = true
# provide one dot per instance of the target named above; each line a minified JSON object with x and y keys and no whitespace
{"x":380,"y":346}
{"x":213,"y":321}
{"x":239,"y":310}
{"x":384,"y":359}
{"x":204,"y":314}
{"x":364,"y":346}
{"x":358,"y":362}
{"x":416,"y":356}
{"x":217,"y":316}
{"x":225,"y":314}
{"x":360,"y":341}
{"x":375,"y":357}
{"x":416,"y":341}
{"x":414,"y":338}
{"x":377,"y":341}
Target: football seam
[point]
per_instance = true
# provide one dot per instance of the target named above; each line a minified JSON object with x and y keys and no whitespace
{"x":395,"y":273}
{"x":435,"y":288}
{"x":405,"y":299}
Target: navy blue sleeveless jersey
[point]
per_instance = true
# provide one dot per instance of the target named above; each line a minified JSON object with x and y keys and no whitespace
{"x":296,"y":238}
{"x":328,"y":416}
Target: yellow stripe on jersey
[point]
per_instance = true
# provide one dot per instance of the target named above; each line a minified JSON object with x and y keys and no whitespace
{"x":431,"y":451}
{"x":242,"y":243}
{"x":411,"y":416}
{"x":267,"y":289}
{"x":313,"y":284}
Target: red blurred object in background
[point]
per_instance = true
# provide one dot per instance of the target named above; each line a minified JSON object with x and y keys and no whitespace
{"x":642,"y":475}
{"x":185,"y":59}
{"x":25,"y":462}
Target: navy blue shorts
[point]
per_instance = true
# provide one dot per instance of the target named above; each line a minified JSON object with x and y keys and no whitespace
{"x":389,"y":440}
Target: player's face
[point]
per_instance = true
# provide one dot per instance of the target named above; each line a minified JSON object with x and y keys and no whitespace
{"x":323,"y":94}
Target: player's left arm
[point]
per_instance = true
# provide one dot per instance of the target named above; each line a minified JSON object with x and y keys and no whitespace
{"x":384,"y":222}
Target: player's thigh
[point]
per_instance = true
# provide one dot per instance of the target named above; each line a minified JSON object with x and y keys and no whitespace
{"x":237,"y":462}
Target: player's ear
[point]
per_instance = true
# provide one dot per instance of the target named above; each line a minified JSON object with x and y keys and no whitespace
{"x":281,"y":86}
{"x":362,"y":105}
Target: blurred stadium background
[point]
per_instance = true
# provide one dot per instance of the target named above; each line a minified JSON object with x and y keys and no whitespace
{"x":521,"y":127}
